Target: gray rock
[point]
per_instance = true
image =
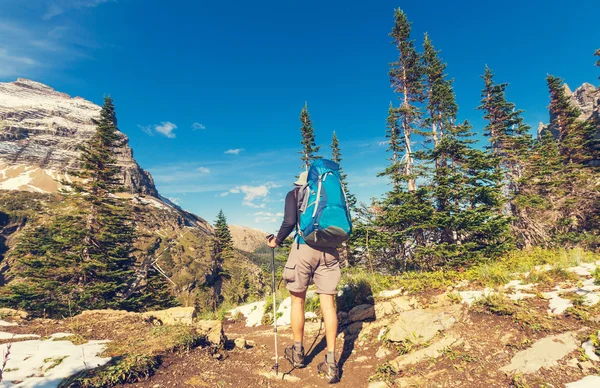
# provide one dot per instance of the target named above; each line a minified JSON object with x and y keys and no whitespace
{"x":585,"y":366}
{"x":362,"y":313}
{"x":378,"y":384}
{"x":354,"y":328}
{"x":240,"y":343}
{"x":42,"y":127}
{"x":542,"y":354}
{"x":173,"y":316}
{"x":419,"y":326}
{"x":433,"y":351}
{"x":383,"y":352}
{"x":213,"y":330}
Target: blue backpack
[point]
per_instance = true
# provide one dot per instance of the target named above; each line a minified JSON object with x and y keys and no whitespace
{"x":324,"y":218}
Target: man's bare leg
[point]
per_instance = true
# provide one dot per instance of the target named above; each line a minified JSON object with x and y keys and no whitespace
{"x":331,"y":320}
{"x":297,"y":315}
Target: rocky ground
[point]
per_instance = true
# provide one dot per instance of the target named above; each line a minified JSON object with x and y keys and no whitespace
{"x":521,"y":334}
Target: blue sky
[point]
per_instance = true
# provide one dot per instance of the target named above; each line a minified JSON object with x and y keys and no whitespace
{"x":210,"y":92}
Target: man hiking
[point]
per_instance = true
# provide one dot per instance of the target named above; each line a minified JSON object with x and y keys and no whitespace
{"x":304,"y":264}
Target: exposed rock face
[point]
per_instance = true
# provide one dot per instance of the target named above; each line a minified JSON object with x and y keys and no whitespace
{"x":587,"y":99}
{"x":247,"y":239}
{"x":40,"y":130}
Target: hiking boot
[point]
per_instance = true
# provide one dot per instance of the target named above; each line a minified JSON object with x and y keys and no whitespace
{"x":329,"y":371}
{"x":295,"y":357}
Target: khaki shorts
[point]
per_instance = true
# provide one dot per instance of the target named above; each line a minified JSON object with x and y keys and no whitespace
{"x":305,"y":264}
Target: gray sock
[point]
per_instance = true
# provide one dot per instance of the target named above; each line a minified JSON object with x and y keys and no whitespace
{"x":330,"y":358}
{"x":297,"y":346}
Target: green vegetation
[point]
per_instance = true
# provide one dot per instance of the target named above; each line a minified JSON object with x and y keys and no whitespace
{"x":519,"y":311}
{"x":82,"y":257}
{"x":336,"y":156}
{"x":309,"y":147}
{"x":492,"y":273}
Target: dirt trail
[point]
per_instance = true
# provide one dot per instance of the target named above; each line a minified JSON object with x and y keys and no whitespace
{"x":239,"y":368}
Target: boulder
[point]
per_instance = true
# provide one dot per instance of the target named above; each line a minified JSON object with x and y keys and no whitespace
{"x":420,"y":326}
{"x":545,"y":353}
{"x":173,"y":316}
{"x":430,"y":352}
{"x":354,"y":328}
{"x":240,"y":343}
{"x":362,"y":312}
{"x":213,"y":330}
{"x":19,"y":314}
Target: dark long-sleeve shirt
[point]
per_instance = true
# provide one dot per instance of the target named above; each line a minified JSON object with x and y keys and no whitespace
{"x":290,"y":216}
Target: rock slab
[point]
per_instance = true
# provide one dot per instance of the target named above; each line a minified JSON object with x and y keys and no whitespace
{"x":542,"y":354}
{"x":173,"y":316}
{"x":421,"y":325}
{"x":433,"y":351}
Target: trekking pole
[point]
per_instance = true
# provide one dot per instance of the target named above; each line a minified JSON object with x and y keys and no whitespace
{"x":276,"y":366}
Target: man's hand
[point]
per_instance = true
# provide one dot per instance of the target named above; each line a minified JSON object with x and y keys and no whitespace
{"x":272,"y":241}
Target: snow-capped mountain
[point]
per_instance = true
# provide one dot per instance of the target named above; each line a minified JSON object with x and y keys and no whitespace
{"x":40,"y":130}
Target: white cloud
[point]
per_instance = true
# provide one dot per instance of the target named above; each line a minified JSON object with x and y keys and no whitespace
{"x":235,"y":151}
{"x":197,"y":126}
{"x":147,"y":129}
{"x":58,"y":7}
{"x":268,"y":214}
{"x":265,"y":219}
{"x":224,"y":194}
{"x":203,"y":170}
{"x":254,"y":205}
{"x":165,"y":128}
{"x":253,"y":193}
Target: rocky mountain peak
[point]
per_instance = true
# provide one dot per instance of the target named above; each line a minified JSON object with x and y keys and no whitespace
{"x":40,"y":131}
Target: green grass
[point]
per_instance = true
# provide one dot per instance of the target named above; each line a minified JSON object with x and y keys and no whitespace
{"x":520,"y":312}
{"x":486,"y":274}
{"x":128,"y":368}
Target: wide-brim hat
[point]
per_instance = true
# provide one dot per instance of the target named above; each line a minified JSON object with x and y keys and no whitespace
{"x":302,"y":179}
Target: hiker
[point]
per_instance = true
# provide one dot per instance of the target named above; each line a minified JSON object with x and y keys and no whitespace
{"x":304,"y":264}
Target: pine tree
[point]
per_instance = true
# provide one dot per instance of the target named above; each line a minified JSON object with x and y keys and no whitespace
{"x":309,"y":147}
{"x":395,"y":170}
{"x":574,"y":138}
{"x":508,"y":134}
{"x":441,"y":104}
{"x":223,"y":240}
{"x":336,"y":156}
{"x":406,"y":77}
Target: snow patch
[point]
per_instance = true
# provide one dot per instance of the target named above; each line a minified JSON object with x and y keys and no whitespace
{"x":469,"y":297}
{"x":4,"y":335}
{"x":44,"y":364}
{"x":586,"y":382}
{"x":557,"y":305}
{"x":590,"y":350}
{"x":253,"y":313}
{"x":5,"y":323}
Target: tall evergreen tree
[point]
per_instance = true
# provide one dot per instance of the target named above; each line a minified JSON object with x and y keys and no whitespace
{"x":508,"y":134}
{"x":223,"y":240}
{"x":396,"y":147}
{"x":406,"y":77}
{"x":441,"y":104}
{"x":309,"y":147}
{"x":336,"y":156}
{"x":574,"y":137}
